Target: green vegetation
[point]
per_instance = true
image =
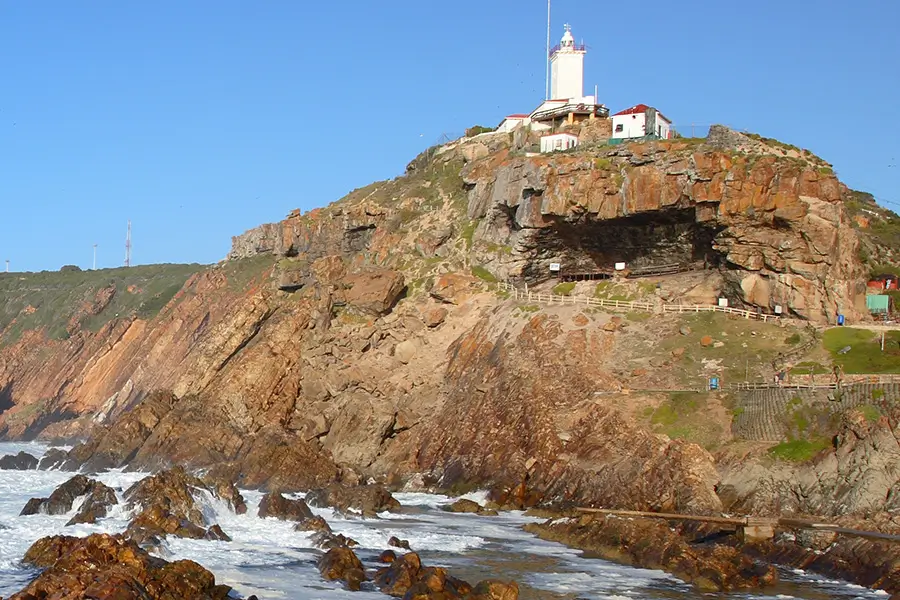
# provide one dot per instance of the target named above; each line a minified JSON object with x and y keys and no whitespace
{"x":483,"y":274}
{"x":638,"y":317}
{"x":564,"y":289}
{"x":478,"y":129}
{"x":245,"y":273}
{"x":607,"y":290}
{"x":799,"y":450}
{"x":468,"y":232}
{"x":683,"y":416}
{"x":864,"y":355}
{"x":793,"y":339}
{"x":49,"y":300}
{"x":602,"y":164}
{"x":810,"y":367}
{"x":870,"y":412}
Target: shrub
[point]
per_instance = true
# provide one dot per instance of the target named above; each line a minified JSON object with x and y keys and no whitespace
{"x":478,"y":129}
{"x":799,"y":450}
{"x":483,"y":274}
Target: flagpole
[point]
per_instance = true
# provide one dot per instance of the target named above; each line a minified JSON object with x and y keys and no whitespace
{"x":547,"y":58}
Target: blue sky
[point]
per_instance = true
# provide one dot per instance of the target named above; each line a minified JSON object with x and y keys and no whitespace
{"x":199,"y":119}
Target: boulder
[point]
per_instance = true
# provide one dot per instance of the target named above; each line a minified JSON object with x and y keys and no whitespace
{"x":313,"y":524}
{"x":491,"y":589}
{"x":407,"y":577}
{"x":18,"y":462}
{"x":398,"y":543}
{"x":706,"y":341}
{"x":99,"y":498}
{"x":215,"y":533}
{"x":434,"y":316}
{"x":327,"y":540}
{"x":455,"y":288}
{"x":275,"y":505}
{"x":367,"y":500}
{"x":342,"y":564}
{"x":465,"y":506}
{"x":387,"y":557}
{"x":374,"y":291}
{"x":405,"y":351}
{"x":111,"y":567}
{"x":226,"y":490}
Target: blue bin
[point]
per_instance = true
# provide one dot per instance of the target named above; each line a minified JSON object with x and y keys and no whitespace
{"x":840,"y":319}
{"x":713,"y":383}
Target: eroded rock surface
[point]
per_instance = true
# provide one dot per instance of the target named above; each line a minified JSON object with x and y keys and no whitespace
{"x":98,"y":499}
{"x":105,"y":566}
{"x":367,"y":500}
{"x":18,"y":462}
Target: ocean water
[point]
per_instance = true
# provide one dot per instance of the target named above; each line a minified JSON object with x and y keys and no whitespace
{"x":268,"y":558}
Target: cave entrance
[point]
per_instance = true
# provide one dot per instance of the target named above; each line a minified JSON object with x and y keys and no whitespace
{"x":653,"y":243}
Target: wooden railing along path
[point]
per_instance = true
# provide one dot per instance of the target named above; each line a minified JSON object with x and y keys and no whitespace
{"x":660,"y":308}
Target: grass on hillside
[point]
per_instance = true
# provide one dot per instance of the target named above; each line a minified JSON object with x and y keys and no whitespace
{"x":48,"y":300}
{"x":483,"y":274}
{"x":683,"y":416}
{"x":742,"y":352}
{"x":865,"y":355}
{"x":564,"y":289}
{"x":799,"y":450}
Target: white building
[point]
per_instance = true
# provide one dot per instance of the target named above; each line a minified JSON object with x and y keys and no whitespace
{"x":567,"y":68}
{"x":567,"y":103}
{"x":558,"y":142}
{"x":639,"y":121}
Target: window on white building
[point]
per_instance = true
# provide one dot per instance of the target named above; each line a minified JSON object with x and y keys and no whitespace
{"x":620,"y":128}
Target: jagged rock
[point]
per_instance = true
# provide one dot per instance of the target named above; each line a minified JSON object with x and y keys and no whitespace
{"x":327,"y":540}
{"x":105,"y":566}
{"x":226,"y":490}
{"x":18,"y":462}
{"x":313,"y":524}
{"x":165,"y":505}
{"x":368,"y":500}
{"x":375,"y":291}
{"x":407,"y":577}
{"x":275,"y":505}
{"x":53,"y":459}
{"x":398,"y":543}
{"x":99,"y":499}
{"x":215,"y":533}
{"x":342,"y":564}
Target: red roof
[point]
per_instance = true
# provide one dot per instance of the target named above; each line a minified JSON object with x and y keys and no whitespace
{"x":517,"y":116}
{"x":639,"y":109}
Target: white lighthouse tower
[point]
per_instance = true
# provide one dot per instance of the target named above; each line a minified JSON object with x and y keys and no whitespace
{"x":567,"y":69}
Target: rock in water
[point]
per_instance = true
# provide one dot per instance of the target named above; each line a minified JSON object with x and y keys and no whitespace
{"x":99,"y":498}
{"x":494,"y":590}
{"x":398,"y":543}
{"x":275,"y":505}
{"x":342,"y":564}
{"x":111,"y":567}
{"x":54,"y":458}
{"x":313,"y":524}
{"x":465,"y":506}
{"x":368,"y":500}
{"x":407,"y":577}
{"x":18,"y":462}
{"x":165,"y":505}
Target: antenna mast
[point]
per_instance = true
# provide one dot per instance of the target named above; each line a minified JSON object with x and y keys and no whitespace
{"x":547,"y":58}
{"x":128,"y":246}
{"x":95,"y":257}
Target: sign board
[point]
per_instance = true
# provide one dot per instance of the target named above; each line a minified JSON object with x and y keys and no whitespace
{"x":723,"y":302}
{"x":554,"y":267}
{"x":777,"y":309}
{"x":620,"y":266}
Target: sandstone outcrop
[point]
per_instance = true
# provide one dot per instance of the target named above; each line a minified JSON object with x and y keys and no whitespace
{"x":105,"y":566}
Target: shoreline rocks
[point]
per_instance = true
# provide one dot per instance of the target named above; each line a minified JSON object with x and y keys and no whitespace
{"x":107,"y":566}
{"x":364,"y":500}
{"x":99,"y":498}
{"x":18,"y":462}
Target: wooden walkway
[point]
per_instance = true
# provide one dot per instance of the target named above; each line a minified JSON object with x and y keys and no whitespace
{"x":752,"y":528}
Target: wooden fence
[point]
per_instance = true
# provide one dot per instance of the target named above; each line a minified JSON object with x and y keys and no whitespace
{"x":659,"y":308}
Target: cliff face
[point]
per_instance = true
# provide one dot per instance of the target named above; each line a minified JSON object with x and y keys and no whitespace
{"x":774,"y":224}
{"x":351,"y":342}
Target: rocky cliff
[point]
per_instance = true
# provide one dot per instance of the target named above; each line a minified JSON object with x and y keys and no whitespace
{"x":360,"y":340}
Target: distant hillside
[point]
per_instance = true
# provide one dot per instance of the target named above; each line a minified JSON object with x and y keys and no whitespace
{"x":61,"y":301}
{"x":879,"y":231}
